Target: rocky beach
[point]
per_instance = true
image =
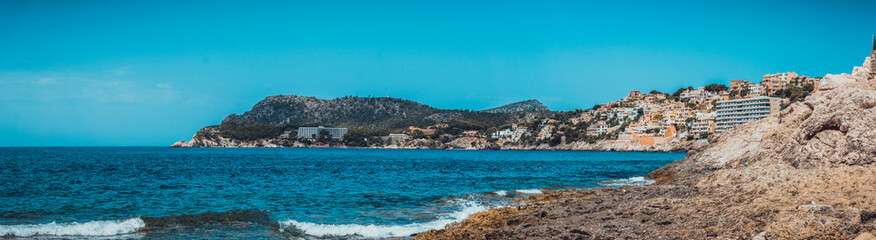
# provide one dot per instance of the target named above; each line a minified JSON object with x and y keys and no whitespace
{"x":805,"y":173}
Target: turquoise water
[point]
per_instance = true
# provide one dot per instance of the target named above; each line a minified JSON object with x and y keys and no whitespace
{"x":281,"y":193}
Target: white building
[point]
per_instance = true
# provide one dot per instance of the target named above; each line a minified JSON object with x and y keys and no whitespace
{"x":740,"y":111}
{"x":313,"y":132}
{"x":597,"y":128}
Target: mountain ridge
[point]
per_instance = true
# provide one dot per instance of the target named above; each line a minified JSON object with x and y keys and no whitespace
{"x":522,"y":106}
{"x":380,"y":112}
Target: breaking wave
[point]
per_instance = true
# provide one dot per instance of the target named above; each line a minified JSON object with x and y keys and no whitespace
{"x":529,"y":191}
{"x":93,"y":228}
{"x":383,"y":231}
{"x":633,"y":181}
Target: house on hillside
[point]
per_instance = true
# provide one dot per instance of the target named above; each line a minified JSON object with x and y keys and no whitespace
{"x":597,"y":128}
{"x":396,"y":138}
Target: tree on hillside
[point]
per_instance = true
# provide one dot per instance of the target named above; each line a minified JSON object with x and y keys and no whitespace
{"x":251,"y":131}
{"x":795,"y":93}
{"x":715,"y":87}
{"x":658,"y":117}
{"x":678,"y":92}
{"x":639,"y":113}
{"x":324,"y":135}
{"x":744,"y":92}
{"x":692,"y":105}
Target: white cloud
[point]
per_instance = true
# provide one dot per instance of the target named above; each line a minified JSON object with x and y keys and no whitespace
{"x":121,"y":71}
{"x":108,"y":86}
{"x":47,"y":81}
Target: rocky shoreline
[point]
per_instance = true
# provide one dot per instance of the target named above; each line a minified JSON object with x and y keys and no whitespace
{"x":808,"y":172}
{"x":204,"y":139}
{"x":606,"y":146}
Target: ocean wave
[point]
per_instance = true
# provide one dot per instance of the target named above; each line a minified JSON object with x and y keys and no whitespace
{"x":501,"y":192}
{"x":384,"y":231}
{"x":231,"y":216}
{"x":529,"y":191}
{"x":633,"y":181}
{"x":93,"y":228}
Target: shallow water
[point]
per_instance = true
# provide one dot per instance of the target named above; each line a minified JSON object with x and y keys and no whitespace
{"x":261,"y":193}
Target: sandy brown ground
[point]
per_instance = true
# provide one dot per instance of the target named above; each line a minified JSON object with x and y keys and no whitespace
{"x":844,"y":206}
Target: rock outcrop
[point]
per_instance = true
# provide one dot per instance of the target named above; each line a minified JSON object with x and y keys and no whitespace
{"x":808,"y":172}
{"x":207,"y":137}
{"x":676,"y":145}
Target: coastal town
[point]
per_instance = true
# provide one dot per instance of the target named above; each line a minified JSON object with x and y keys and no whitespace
{"x":643,"y":119}
{"x":639,"y":121}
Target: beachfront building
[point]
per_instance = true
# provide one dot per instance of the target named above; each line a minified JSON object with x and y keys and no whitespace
{"x":314,"y":132}
{"x":739,"y":111}
{"x":422,"y":131}
{"x":702,"y":125}
{"x":470,"y":133}
{"x":505,"y":133}
{"x":513,"y":133}
{"x":597,"y":128}
{"x":396,"y":137}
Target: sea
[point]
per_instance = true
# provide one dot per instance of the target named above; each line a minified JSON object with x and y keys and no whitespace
{"x":285,"y":193}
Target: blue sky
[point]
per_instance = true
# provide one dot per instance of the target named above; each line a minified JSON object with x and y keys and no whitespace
{"x":134,"y":73}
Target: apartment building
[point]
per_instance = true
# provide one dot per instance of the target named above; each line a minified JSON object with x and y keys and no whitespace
{"x":773,"y":82}
{"x":705,"y":124}
{"x":754,"y":89}
{"x":740,"y":111}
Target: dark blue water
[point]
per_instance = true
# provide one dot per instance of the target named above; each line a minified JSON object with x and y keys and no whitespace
{"x":321,"y":192}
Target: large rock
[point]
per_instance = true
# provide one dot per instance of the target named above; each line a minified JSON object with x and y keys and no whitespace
{"x":808,"y":172}
{"x":835,"y":126}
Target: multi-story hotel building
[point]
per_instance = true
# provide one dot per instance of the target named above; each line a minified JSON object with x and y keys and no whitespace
{"x":313,"y":132}
{"x":739,"y":111}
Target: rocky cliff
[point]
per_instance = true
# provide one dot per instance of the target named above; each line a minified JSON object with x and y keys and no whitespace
{"x":808,"y":172}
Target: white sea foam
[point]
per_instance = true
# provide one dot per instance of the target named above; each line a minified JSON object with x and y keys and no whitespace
{"x":633,"y":181}
{"x":93,"y":228}
{"x":529,"y":191}
{"x":385,"y":231}
{"x":501,"y":192}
